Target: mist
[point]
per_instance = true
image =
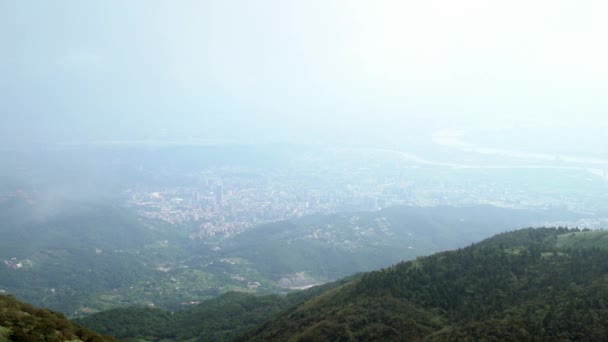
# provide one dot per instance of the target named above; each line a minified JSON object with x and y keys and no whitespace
{"x":348,"y":73}
{"x":99,"y":98}
{"x":303,"y":170}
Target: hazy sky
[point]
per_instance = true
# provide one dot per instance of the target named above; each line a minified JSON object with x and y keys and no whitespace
{"x":303,"y":71}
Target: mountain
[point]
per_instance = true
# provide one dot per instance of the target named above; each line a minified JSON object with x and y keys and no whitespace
{"x":546,"y":284}
{"x":328,"y":247}
{"x":218,"y":319}
{"x":22,"y":322}
{"x":83,"y":257}
{"x":62,"y":258}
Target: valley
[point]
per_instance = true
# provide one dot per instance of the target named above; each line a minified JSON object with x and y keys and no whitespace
{"x":514,"y":285}
{"x":223,"y":236}
{"x":303,"y":171}
{"x":173,"y":226}
{"x":69,"y":267}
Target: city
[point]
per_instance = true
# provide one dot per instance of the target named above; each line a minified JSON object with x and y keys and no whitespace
{"x":227,"y":201}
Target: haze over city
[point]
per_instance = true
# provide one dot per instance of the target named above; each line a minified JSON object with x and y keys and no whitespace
{"x":387,"y":73}
{"x":318,"y":170}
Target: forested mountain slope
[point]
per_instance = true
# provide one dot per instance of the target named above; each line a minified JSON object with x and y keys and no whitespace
{"x":515,"y":286}
{"x":545,"y":283}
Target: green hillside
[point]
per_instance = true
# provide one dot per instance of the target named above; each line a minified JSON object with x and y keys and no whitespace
{"x":218,"y":319}
{"x":22,"y":322}
{"x":515,"y":286}
{"x":80,"y":258}
{"x":328,"y":247}
{"x":520,"y":285}
{"x":62,"y":259}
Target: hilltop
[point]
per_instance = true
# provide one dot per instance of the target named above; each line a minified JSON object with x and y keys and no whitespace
{"x":22,"y":322}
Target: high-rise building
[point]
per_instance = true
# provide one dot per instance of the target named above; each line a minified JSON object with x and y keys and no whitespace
{"x":195,"y":201}
{"x":219,"y":195}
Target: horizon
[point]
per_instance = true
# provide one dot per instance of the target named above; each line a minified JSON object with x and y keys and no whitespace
{"x":349,"y":73}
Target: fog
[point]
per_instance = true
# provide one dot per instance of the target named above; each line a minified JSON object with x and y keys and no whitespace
{"x":357,"y":73}
{"x":158,"y":154}
{"x":99,"y":97}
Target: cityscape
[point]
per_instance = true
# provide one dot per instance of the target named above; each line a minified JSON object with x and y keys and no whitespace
{"x":227,"y":201}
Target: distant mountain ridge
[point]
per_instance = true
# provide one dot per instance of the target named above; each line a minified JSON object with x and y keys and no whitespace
{"x":328,"y":247}
{"x":59,"y":259}
{"x":94,"y":256}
